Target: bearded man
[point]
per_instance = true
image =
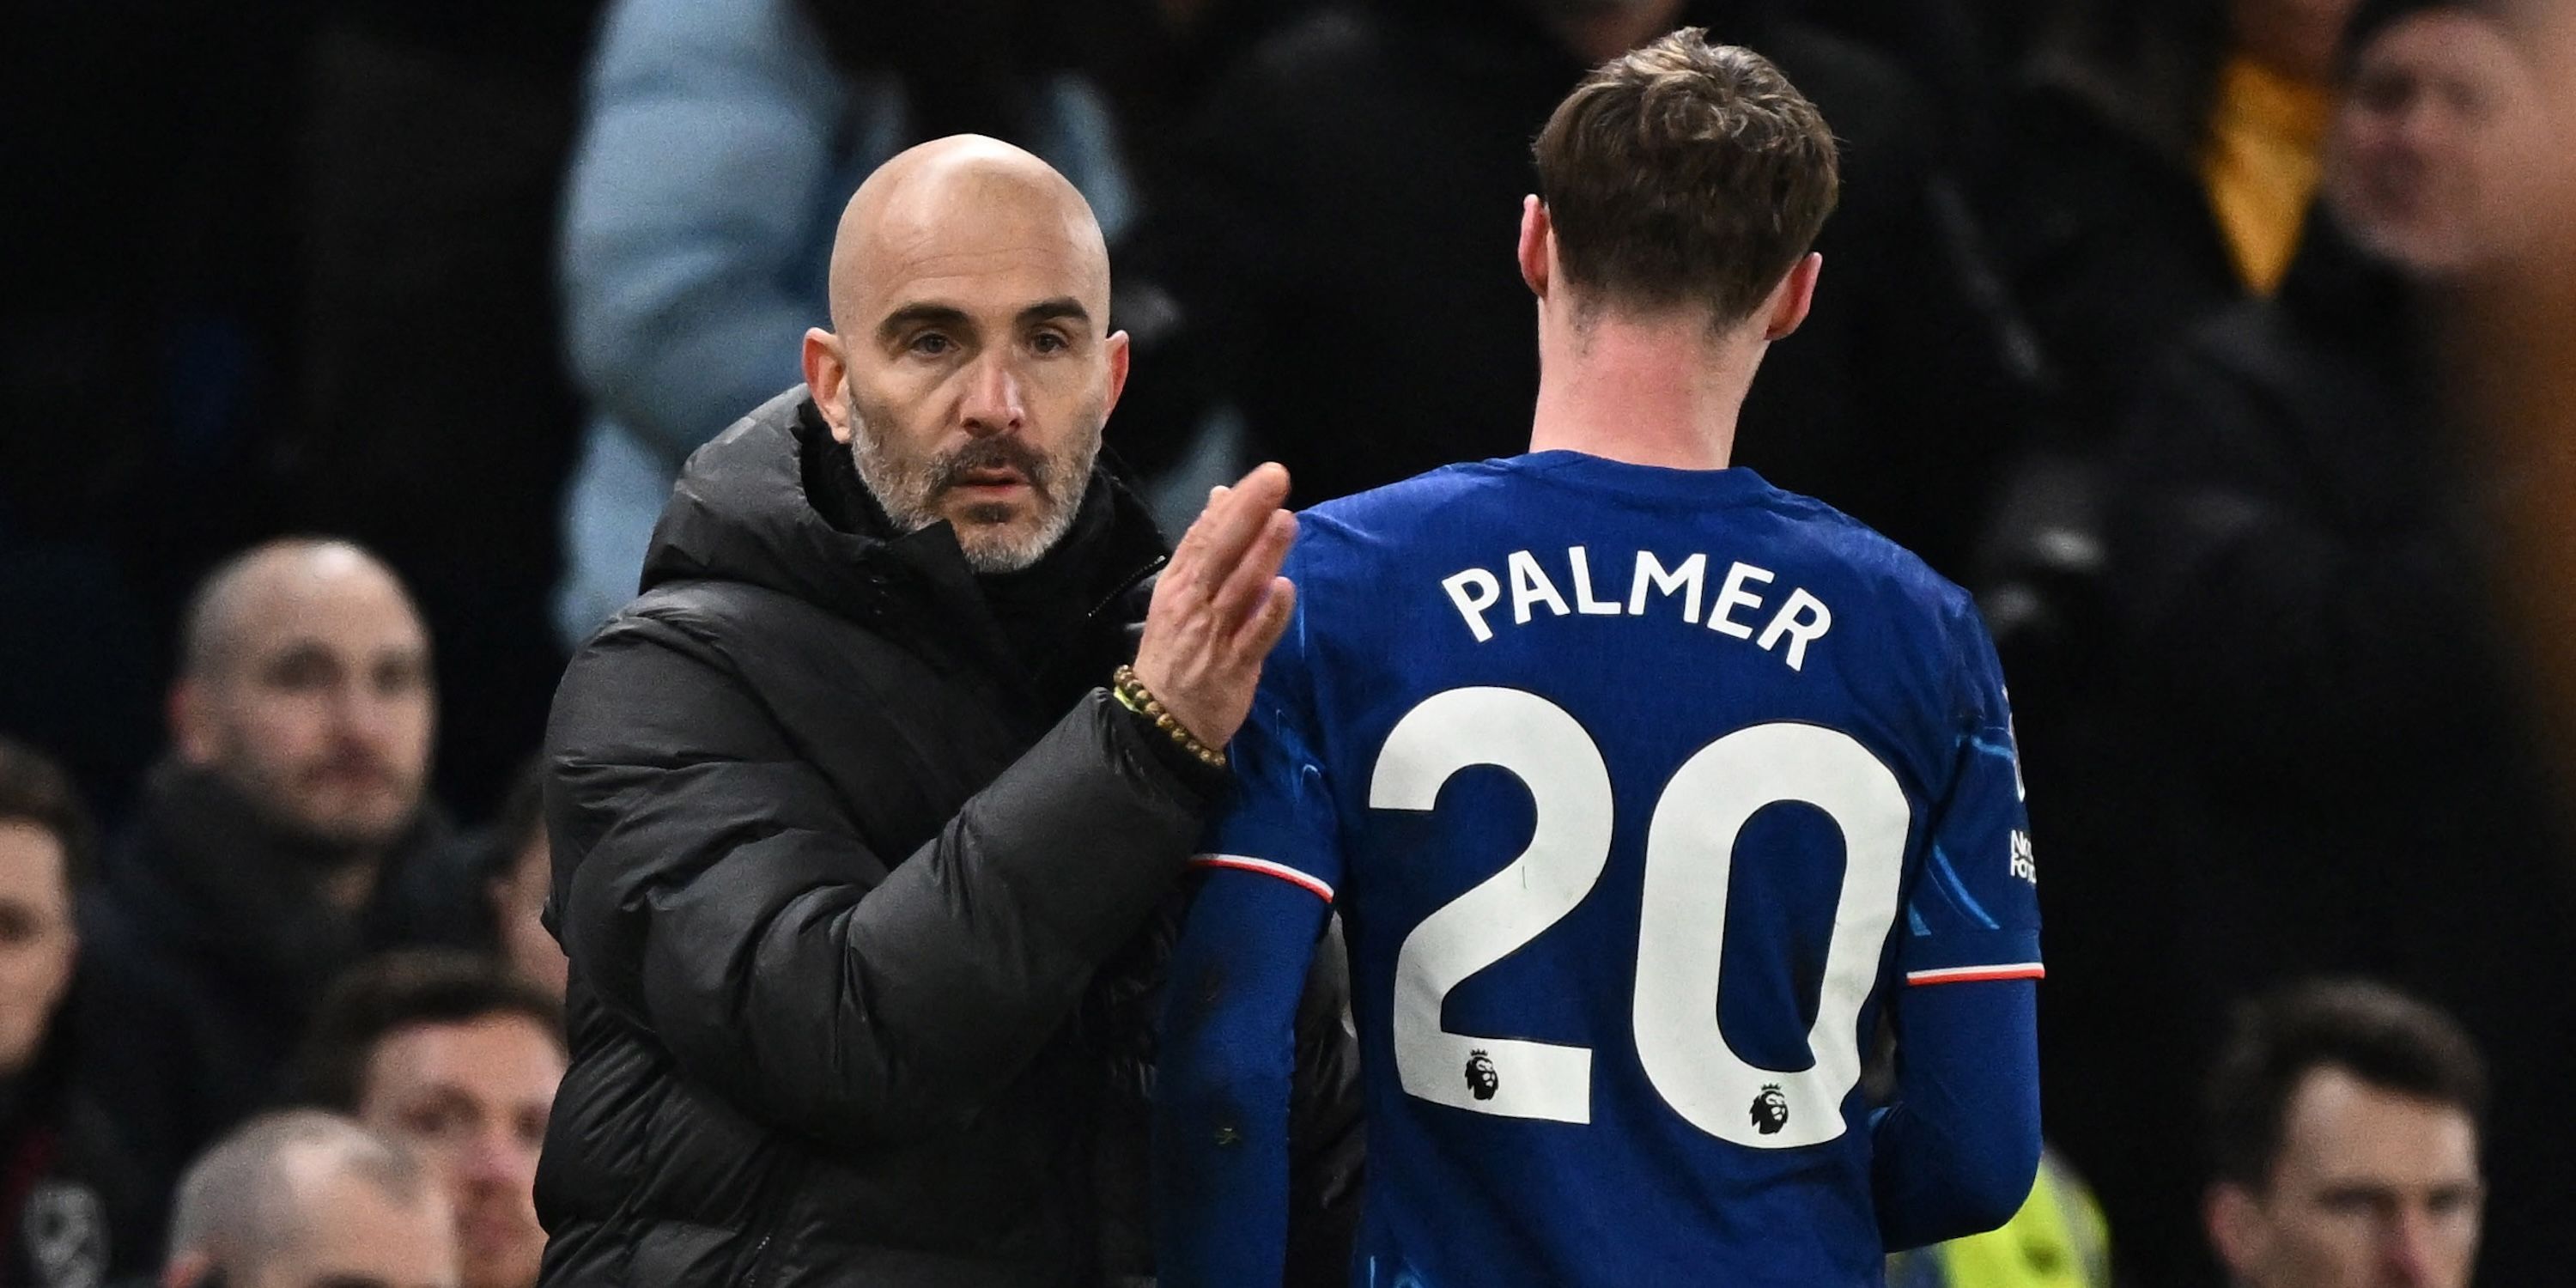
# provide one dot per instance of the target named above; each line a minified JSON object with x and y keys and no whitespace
{"x":867,"y":839}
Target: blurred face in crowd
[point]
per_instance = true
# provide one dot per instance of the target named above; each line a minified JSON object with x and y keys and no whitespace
{"x":2440,"y":114}
{"x":37,"y":942}
{"x":354,"y":1235}
{"x":518,"y":904}
{"x":971,"y":367}
{"x":311,"y":693}
{"x":473,"y":1099}
{"x":2372,"y":1189}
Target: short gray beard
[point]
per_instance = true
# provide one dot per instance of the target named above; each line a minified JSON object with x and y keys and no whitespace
{"x":909,"y":490}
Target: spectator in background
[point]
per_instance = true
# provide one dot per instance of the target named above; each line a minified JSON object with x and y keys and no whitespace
{"x":438,"y":422}
{"x":306,"y":1199}
{"x":288,"y":835}
{"x":2299,"y":559}
{"x":2344,"y":1125}
{"x":515,"y":869}
{"x":2157,"y":169}
{"x":1317,"y":262}
{"x":455,"y":1057}
{"x":74,"y":1213}
{"x":718,"y":144}
{"x":2057,"y":1240}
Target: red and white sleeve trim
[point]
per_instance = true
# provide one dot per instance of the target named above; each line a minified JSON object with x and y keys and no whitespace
{"x":1968,"y":974}
{"x":1267,"y":868}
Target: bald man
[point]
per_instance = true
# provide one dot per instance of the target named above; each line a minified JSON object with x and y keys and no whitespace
{"x":869,"y":816}
{"x":306,"y":1199}
{"x":287,"y":834}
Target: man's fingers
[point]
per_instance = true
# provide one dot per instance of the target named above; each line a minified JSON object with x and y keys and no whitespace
{"x":1270,"y":620}
{"x":1249,"y":579}
{"x":1235,"y":520}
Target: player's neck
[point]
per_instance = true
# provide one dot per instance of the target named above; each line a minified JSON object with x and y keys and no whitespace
{"x":1641,"y":392}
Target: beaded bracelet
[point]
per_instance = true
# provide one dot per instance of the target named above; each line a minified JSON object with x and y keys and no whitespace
{"x":1133,"y":695}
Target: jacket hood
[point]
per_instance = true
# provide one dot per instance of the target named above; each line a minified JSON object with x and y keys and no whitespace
{"x":742,"y":511}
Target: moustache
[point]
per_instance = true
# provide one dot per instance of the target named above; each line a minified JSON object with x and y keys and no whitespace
{"x":990,"y":454}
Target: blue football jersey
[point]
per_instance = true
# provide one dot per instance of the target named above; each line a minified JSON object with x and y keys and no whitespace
{"x":1638,"y":791}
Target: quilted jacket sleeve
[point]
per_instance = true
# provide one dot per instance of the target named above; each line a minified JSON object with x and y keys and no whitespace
{"x":713,"y":891}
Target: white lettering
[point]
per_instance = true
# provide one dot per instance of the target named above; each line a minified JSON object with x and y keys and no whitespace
{"x":1733,"y":594}
{"x":1650,"y":571}
{"x":1529,"y":586}
{"x":1801,"y":630}
{"x":1488,"y":592}
{"x":1584,"y":599}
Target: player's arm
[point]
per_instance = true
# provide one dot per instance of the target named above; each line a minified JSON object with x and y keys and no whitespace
{"x":1956,"y":1151}
{"x":1221,"y":1104}
{"x":1221,"y":1124}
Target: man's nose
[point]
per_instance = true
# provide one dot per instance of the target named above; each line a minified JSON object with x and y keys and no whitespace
{"x":362,"y":711}
{"x":993,"y":401}
{"x":2406,"y":1248}
{"x":497,"y":1157}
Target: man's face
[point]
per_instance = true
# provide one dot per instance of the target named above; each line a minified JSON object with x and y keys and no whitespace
{"x":518,"y":900}
{"x":36,"y":939}
{"x":473,"y":1099}
{"x":2440,"y":112}
{"x":320,"y":708}
{"x":979,"y":367}
{"x":359,"y":1237}
{"x":2372,"y":1189}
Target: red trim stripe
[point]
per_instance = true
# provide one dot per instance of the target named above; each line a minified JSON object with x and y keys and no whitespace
{"x":1266,"y":868}
{"x":1969,"y":974}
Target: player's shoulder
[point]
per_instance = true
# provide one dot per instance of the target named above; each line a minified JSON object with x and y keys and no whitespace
{"x":1871,"y":557}
{"x":1417,"y":503}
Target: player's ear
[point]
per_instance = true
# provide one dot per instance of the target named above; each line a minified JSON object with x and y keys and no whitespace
{"x":827,"y":374}
{"x":2234,"y":1219}
{"x":1793,"y":296}
{"x":1538,"y":237}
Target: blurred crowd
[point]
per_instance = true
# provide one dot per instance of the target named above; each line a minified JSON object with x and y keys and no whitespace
{"x":349,"y":349}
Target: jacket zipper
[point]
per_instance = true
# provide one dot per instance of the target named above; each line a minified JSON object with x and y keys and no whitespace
{"x":759,"y":1249}
{"x":1128,"y":583}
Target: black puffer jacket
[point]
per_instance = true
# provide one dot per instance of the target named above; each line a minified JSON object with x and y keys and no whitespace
{"x":867,"y":888}
{"x":206,"y":946}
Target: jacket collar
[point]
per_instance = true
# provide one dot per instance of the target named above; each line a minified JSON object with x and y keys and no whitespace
{"x":204,"y":870}
{"x":764,"y":504}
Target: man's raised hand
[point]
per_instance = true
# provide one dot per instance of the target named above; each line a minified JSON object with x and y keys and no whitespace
{"x":1219,"y":607}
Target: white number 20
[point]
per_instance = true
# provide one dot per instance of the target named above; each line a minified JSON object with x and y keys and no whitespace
{"x":1690,"y":851}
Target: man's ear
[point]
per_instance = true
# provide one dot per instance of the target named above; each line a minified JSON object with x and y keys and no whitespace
{"x":190,"y":712}
{"x":827,"y":375}
{"x":1537,"y":246}
{"x":2234,"y":1218}
{"x":1121,"y":352}
{"x":1790,"y":300}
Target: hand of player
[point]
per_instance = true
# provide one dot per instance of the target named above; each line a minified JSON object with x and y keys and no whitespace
{"x":1219,"y":607}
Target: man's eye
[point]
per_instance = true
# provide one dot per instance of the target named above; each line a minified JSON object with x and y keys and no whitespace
{"x":931,"y":344}
{"x":1050,"y":342}
{"x":435,"y":1123}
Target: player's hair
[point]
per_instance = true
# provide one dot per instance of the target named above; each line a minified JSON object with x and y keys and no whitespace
{"x":244,"y":1201}
{"x":1685,"y":174}
{"x":397,"y":991}
{"x":2370,"y":1031}
{"x":33,"y":789}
